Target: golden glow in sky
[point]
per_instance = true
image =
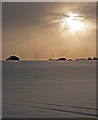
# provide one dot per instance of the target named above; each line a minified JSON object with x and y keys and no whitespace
{"x":49,"y":30}
{"x":74,"y":22}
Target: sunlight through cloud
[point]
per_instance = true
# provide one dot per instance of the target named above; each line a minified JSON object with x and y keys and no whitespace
{"x":74,"y":22}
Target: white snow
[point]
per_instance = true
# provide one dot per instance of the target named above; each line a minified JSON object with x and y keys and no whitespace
{"x":47,"y":89}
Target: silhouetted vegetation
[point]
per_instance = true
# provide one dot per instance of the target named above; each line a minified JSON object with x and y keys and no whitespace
{"x":89,"y":58}
{"x":50,"y":59}
{"x":13,"y":58}
{"x":95,"y":58}
{"x":69,"y":59}
{"x":62,"y":58}
{"x":81,"y":59}
{"x":78,"y":59}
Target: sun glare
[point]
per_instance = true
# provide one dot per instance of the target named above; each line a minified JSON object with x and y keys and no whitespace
{"x":73,"y":21}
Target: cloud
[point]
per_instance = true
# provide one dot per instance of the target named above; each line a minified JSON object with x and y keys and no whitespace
{"x":29,"y":30}
{"x":88,"y":11}
{"x":32,"y":13}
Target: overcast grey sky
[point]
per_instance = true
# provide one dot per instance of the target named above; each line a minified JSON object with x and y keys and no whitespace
{"x":34,"y":31}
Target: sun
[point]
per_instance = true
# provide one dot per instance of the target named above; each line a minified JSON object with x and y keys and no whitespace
{"x":73,"y":21}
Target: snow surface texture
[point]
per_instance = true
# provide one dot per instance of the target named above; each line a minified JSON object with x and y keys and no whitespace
{"x":49,"y":89}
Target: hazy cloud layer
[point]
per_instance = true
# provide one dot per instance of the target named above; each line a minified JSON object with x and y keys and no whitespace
{"x":30,"y":32}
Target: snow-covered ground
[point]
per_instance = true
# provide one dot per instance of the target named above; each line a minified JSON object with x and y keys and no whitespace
{"x":47,"y":89}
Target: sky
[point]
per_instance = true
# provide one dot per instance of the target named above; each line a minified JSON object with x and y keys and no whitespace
{"x":43,"y":30}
